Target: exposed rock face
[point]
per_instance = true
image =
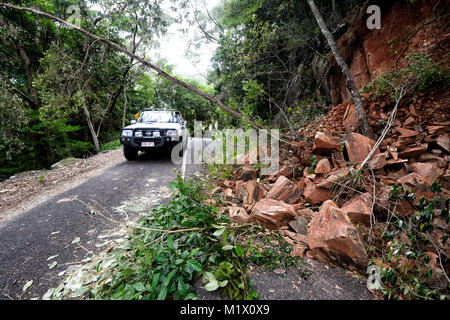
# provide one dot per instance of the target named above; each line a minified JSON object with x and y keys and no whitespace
{"x":325,"y":144}
{"x":332,"y":238}
{"x":249,"y":192}
{"x":334,"y":177}
{"x":366,"y":50}
{"x":358,"y":147}
{"x":377,"y":162}
{"x":413,"y":151}
{"x":299,"y":225}
{"x":284,"y":171}
{"x":406,"y":133}
{"x":444,"y":142}
{"x":273,"y":213}
{"x":438,"y":279}
{"x":285,"y":190}
{"x":306,"y":213}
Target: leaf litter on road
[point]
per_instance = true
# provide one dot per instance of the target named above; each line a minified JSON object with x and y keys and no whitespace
{"x":27,"y":285}
{"x":76,"y":240}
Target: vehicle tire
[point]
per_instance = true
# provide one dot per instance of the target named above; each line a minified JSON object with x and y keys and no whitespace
{"x":182,"y":151}
{"x":130,"y":153}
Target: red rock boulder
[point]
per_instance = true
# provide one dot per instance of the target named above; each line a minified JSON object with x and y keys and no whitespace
{"x":315,"y":194}
{"x":323,"y":166}
{"x":351,"y":120}
{"x":272,"y":213}
{"x":358,"y":147}
{"x":249,"y":192}
{"x":325,"y":144}
{"x":285,"y":190}
{"x":359,"y":209}
{"x":238,"y":214}
{"x":428,"y":170}
{"x":332,"y":238}
{"x":248,"y":173}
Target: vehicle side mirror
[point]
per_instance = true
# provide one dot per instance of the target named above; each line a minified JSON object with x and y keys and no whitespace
{"x":133,"y":121}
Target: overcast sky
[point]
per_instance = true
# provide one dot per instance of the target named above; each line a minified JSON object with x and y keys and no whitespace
{"x":174,"y":44}
{"x":173,"y":47}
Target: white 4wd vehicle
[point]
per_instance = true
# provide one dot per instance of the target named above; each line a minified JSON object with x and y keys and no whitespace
{"x":153,"y":129}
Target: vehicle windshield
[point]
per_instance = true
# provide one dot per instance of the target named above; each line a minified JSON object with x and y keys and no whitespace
{"x":158,"y":117}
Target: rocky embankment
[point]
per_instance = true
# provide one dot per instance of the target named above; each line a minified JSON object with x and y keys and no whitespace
{"x":328,"y":214}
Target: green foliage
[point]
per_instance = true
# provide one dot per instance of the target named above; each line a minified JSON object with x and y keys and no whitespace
{"x":112,"y":145}
{"x":12,"y":117}
{"x":220,"y":172}
{"x":420,"y":73}
{"x":264,"y":253}
{"x":193,"y":240}
{"x":429,"y":72}
{"x":398,"y":278}
{"x":314,"y":162}
{"x":165,"y":251}
{"x":152,"y":91}
{"x":305,"y":111}
{"x":264,"y":62}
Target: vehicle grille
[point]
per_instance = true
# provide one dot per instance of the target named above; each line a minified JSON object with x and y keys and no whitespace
{"x":151,"y":133}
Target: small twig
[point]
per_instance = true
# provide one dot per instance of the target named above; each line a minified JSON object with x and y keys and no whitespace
{"x":84,"y":248}
{"x":135,"y":226}
{"x":372,"y":216}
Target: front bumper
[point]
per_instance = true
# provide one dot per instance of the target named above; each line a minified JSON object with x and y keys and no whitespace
{"x":160,"y":142}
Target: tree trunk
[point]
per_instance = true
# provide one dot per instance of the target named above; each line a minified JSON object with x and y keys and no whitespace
{"x":124,"y":106}
{"x":33,"y":96}
{"x":89,"y":122}
{"x":345,"y":70}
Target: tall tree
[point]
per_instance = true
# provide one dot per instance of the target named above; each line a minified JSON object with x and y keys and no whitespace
{"x":345,"y":70}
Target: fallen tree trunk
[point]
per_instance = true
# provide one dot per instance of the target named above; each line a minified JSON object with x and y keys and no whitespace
{"x":159,"y":71}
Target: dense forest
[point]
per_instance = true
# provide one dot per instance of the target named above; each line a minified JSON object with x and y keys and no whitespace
{"x":65,"y":95}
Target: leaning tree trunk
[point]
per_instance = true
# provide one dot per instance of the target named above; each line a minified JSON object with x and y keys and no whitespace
{"x":89,"y":122}
{"x":143,"y":61}
{"x":345,"y":70}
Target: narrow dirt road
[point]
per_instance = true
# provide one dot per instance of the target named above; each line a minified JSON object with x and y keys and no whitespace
{"x":41,"y":244}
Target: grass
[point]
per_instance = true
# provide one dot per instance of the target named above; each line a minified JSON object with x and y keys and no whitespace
{"x":112,"y":145}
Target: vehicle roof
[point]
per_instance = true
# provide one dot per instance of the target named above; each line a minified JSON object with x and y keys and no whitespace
{"x":167,"y":111}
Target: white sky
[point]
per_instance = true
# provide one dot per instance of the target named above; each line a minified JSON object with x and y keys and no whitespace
{"x":174,"y":45}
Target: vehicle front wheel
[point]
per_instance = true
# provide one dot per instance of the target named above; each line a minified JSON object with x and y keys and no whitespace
{"x":130,"y":153}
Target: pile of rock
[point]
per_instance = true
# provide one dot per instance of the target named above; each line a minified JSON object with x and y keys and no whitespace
{"x":298,"y":199}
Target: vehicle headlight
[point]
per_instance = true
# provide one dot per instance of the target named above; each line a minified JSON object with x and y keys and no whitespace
{"x":138,"y":134}
{"x":171,"y":133}
{"x":127,"y":133}
{"x":156,"y":133}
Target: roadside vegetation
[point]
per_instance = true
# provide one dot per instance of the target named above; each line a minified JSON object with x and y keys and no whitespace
{"x":164,"y":252}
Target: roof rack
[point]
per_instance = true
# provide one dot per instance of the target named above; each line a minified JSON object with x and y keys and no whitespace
{"x":160,"y":109}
